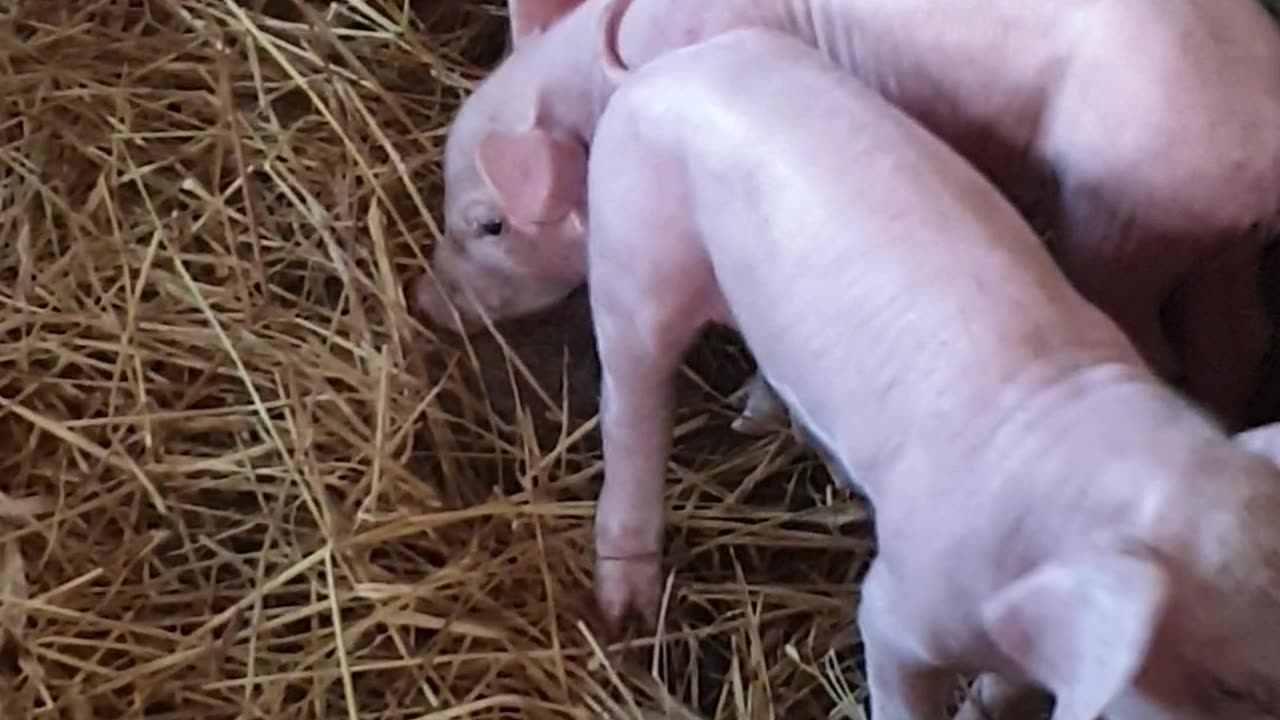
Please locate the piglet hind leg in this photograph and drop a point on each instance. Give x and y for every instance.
(1098, 251)
(902, 686)
(1226, 330)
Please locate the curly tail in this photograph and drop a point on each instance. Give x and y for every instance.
(614, 68)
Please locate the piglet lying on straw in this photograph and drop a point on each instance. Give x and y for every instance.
(1047, 509)
(1159, 119)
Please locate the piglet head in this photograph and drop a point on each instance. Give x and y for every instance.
(516, 243)
(515, 193)
(1189, 631)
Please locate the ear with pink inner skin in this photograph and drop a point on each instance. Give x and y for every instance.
(537, 177)
(1081, 628)
(533, 17)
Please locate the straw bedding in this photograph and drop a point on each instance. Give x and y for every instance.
(240, 481)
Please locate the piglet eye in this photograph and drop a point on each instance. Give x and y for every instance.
(491, 227)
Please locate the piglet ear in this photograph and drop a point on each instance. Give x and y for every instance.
(532, 17)
(1080, 628)
(1263, 440)
(536, 176)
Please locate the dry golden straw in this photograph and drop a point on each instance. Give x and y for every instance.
(240, 481)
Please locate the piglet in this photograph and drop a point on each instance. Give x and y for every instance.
(1158, 119)
(1046, 508)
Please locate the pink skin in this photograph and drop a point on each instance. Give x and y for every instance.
(1042, 506)
(1162, 166)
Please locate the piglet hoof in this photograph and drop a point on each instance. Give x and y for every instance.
(762, 412)
(991, 697)
(746, 424)
(628, 586)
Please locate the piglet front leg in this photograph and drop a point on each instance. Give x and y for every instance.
(636, 407)
(902, 685)
(642, 331)
(992, 697)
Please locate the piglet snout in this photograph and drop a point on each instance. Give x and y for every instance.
(433, 300)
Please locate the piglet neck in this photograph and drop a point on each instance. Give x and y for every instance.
(1115, 458)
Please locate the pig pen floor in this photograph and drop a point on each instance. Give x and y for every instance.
(237, 480)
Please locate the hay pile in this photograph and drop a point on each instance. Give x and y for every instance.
(240, 481)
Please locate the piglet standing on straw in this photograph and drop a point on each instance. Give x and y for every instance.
(1047, 509)
(1160, 120)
